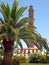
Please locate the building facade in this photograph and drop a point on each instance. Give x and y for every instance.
(26, 51)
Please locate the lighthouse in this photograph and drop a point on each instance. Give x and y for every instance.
(31, 14)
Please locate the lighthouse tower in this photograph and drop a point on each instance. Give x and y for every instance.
(31, 14)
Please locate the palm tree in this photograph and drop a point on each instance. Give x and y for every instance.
(13, 28)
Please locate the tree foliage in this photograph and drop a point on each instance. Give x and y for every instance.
(14, 27)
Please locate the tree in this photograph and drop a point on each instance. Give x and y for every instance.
(13, 28)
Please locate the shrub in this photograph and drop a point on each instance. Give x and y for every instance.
(14, 62)
(19, 59)
(38, 58)
(43, 59)
(47, 59)
(35, 58)
(1, 52)
(47, 56)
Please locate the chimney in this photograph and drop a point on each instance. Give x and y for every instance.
(31, 14)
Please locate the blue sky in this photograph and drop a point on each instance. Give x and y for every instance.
(41, 14)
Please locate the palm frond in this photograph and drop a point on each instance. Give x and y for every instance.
(45, 45)
(8, 10)
(1, 20)
(23, 21)
(3, 11)
(20, 44)
(20, 12)
(2, 28)
(14, 33)
(14, 9)
(26, 42)
(41, 41)
(3, 36)
(28, 28)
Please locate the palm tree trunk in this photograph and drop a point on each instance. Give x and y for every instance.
(8, 45)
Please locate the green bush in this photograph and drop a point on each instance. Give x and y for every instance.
(14, 62)
(35, 58)
(20, 59)
(43, 59)
(1, 52)
(47, 57)
(38, 58)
